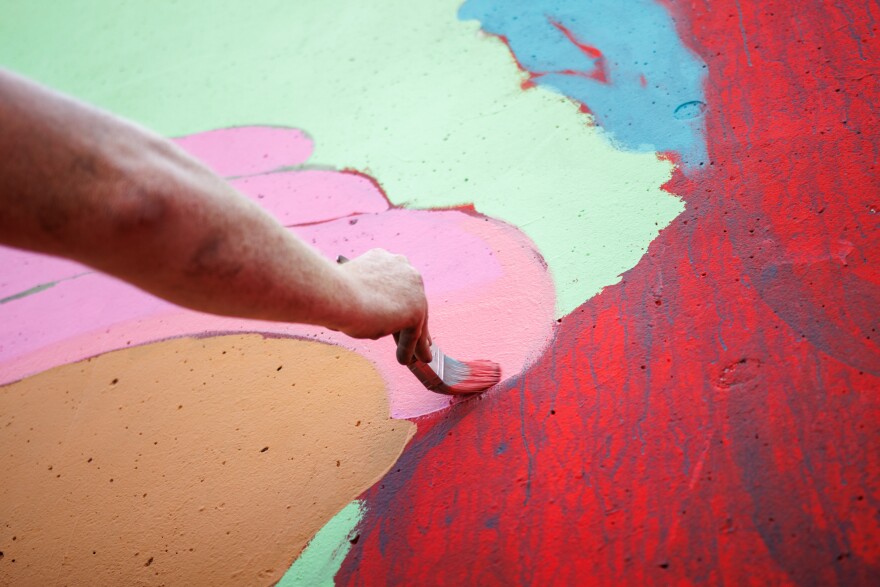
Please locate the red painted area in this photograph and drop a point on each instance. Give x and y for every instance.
(527, 83)
(715, 417)
(601, 71)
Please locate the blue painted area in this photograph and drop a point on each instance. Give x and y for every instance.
(652, 96)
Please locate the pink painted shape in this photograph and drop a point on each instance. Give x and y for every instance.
(312, 195)
(490, 296)
(246, 150)
(495, 301)
(449, 257)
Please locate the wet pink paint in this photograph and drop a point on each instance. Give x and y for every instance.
(312, 195)
(244, 150)
(490, 294)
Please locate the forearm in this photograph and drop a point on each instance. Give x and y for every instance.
(83, 184)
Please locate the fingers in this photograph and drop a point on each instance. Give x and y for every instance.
(408, 351)
(423, 347)
(406, 346)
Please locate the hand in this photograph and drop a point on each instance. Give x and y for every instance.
(391, 300)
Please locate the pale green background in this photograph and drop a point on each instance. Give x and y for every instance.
(318, 564)
(399, 89)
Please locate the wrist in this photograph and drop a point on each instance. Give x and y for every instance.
(349, 305)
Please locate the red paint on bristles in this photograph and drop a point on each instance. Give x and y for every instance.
(448, 376)
(471, 376)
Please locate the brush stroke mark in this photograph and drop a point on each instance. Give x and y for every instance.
(38, 288)
(20, 272)
(28, 292)
(530, 453)
(624, 61)
(742, 31)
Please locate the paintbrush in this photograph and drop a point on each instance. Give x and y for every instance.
(446, 375)
(449, 376)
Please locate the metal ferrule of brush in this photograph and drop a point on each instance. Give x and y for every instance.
(430, 374)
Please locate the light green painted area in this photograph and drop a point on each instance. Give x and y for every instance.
(319, 562)
(399, 89)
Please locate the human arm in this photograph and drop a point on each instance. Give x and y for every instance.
(84, 184)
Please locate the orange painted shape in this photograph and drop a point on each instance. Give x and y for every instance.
(186, 462)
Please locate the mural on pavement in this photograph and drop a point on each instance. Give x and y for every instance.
(659, 217)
